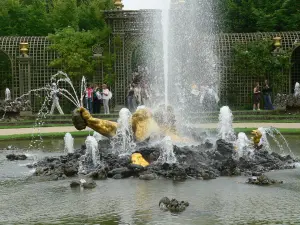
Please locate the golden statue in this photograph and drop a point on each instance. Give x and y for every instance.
(137, 159)
(257, 139)
(142, 122)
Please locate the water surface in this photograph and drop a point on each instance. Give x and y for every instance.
(132, 201)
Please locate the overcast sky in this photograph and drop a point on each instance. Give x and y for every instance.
(144, 4)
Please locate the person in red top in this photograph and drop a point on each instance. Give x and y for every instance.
(89, 98)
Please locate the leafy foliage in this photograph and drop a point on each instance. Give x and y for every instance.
(260, 15)
(258, 60)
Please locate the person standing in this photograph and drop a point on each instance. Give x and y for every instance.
(130, 98)
(97, 99)
(55, 100)
(89, 98)
(106, 96)
(267, 96)
(256, 97)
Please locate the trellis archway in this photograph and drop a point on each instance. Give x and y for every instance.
(295, 71)
(5, 73)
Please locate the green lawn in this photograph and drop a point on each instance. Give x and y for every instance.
(44, 135)
(85, 133)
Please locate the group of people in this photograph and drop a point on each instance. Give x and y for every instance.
(266, 91)
(206, 95)
(96, 96)
(138, 93)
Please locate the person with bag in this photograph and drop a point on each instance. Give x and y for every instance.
(106, 96)
(97, 99)
(55, 99)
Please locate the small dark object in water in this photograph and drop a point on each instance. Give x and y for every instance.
(263, 180)
(75, 184)
(89, 184)
(13, 157)
(172, 205)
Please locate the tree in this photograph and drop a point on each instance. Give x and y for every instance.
(258, 60)
(74, 49)
(260, 15)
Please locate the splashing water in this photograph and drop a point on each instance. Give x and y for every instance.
(243, 145)
(69, 143)
(123, 142)
(191, 59)
(225, 128)
(98, 136)
(7, 94)
(167, 154)
(92, 150)
(277, 137)
(44, 110)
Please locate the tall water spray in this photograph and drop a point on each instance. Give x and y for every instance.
(225, 129)
(165, 26)
(92, 150)
(190, 60)
(69, 143)
(123, 142)
(243, 145)
(167, 154)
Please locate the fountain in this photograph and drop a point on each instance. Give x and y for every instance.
(123, 142)
(289, 102)
(98, 136)
(225, 128)
(281, 142)
(167, 154)
(69, 143)
(189, 38)
(243, 145)
(7, 94)
(92, 150)
(189, 57)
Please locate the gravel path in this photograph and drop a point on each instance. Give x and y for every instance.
(208, 125)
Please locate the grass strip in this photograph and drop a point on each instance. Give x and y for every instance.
(284, 131)
(44, 135)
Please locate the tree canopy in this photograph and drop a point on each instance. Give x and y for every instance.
(260, 15)
(41, 17)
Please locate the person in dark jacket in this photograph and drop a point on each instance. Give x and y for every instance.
(267, 96)
(97, 99)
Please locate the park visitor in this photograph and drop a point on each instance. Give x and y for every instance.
(256, 97)
(89, 98)
(55, 99)
(97, 99)
(106, 96)
(267, 96)
(130, 98)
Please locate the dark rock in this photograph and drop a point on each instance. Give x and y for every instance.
(99, 174)
(75, 184)
(123, 171)
(13, 157)
(70, 171)
(117, 176)
(149, 176)
(172, 205)
(89, 184)
(136, 168)
(262, 180)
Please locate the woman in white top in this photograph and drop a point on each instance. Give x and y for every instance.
(106, 96)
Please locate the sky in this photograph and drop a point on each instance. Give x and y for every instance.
(144, 4)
